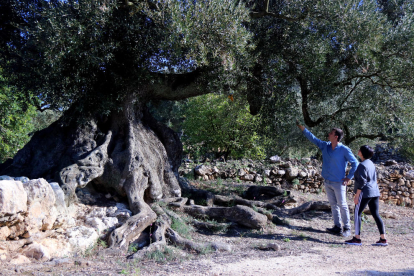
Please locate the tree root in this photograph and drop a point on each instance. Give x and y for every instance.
(264, 192)
(273, 204)
(242, 215)
(308, 206)
(213, 226)
(176, 239)
(121, 237)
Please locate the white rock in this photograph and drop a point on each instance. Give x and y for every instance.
(4, 233)
(280, 172)
(20, 259)
(60, 198)
(22, 179)
(81, 238)
(110, 222)
(275, 159)
(36, 251)
(409, 175)
(241, 172)
(41, 209)
(202, 170)
(96, 223)
(99, 212)
(292, 173)
(13, 197)
(303, 174)
(57, 248)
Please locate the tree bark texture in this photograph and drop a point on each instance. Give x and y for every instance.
(127, 152)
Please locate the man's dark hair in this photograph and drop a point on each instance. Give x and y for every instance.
(367, 151)
(339, 133)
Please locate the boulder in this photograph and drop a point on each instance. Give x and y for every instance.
(409, 175)
(13, 197)
(59, 197)
(41, 210)
(81, 238)
(202, 170)
(275, 159)
(247, 177)
(292, 173)
(57, 247)
(4, 233)
(241, 172)
(36, 251)
(20, 259)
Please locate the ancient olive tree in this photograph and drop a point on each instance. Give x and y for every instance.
(102, 62)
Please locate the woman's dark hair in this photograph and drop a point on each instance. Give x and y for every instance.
(367, 151)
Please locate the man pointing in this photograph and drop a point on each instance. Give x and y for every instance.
(335, 157)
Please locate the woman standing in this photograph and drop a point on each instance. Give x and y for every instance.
(366, 193)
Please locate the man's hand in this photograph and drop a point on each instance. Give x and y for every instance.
(302, 128)
(345, 181)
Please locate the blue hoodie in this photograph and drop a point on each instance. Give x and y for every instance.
(334, 161)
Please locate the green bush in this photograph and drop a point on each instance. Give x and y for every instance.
(215, 124)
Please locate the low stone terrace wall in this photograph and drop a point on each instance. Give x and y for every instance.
(395, 179)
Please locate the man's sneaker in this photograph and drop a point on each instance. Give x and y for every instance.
(381, 242)
(335, 230)
(354, 241)
(346, 232)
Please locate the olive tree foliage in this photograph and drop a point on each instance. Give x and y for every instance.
(95, 53)
(335, 64)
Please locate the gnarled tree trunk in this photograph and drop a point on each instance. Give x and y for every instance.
(128, 152)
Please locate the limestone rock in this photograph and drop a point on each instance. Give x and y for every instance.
(202, 170)
(258, 178)
(13, 197)
(59, 197)
(20, 259)
(81, 238)
(275, 159)
(99, 212)
(41, 209)
(36, 251)
(247, 177)
(292, 173)
(4, 233)
(22, 179)
(409, 175)
(57, 247)
(241, 172)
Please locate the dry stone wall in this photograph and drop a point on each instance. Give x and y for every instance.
(395, 179)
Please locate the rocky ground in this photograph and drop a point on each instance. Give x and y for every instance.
(300, 246)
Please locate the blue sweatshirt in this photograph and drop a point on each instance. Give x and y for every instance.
(334, 161)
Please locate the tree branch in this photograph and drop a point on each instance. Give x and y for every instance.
(179, 86)
(266, 12)
(349, 139)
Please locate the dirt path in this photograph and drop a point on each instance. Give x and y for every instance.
(364, 260)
